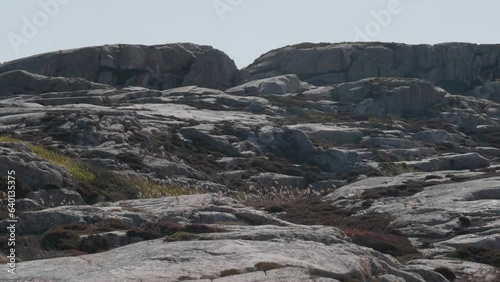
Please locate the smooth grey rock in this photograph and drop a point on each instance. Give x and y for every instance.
(275, 85)
(217, 143)
(490, 91)
(437, 136)
(388, 142)
(330, 133)
(453, 66)
(337, 160)
(464, 270)
(158, 260)
(451, 162)
(157, 67)
(212, 69)
(411, 154)
(390, 96)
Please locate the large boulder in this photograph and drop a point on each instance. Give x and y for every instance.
(159, 67)
(212, 69)
(453, 66)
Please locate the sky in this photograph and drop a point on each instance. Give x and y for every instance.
(244, 29)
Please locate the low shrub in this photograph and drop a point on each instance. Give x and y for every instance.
(111, 224)
(266, 266)
(383, 242)
(142, 233)
(60, 239)
(50, 186)
(94, 244)
(370, 230)
(229, 272)
(275, 209)
(202, 229)
(155, 230)
(478, 254)
(446, 272)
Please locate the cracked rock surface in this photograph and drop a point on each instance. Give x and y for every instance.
(317, 162)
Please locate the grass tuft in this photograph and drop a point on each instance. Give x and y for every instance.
(75, 167)
(179, 236)
(150, 189)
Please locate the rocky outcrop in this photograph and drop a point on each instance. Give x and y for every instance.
(221, 260)
(275, 85)
(453, 66)
(390, 96)
(22, 82)
(236, 253)
(157, 67)
(490, 91)
(451, 162)
(409, 169)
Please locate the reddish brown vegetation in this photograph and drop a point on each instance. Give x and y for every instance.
(370, 230)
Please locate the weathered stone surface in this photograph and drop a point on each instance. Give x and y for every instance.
(464, 271)
(454, 66)
(452, 162)
(437, 136)
(328, 133)
(390, 96)
(275, 85)
(23, 82)
(279, 147)
(186, 209)
(490, 91)
(310, 251)
(36, 172)
(158, 67)
(336, 160)
(387, 142)
(212, 69)
(410, 154)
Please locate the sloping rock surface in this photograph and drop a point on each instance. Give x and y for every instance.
(349, 162)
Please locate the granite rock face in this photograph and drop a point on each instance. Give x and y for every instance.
(158, 67)
(22, 82)
(453, 66)
(319, 162)
(240, 253)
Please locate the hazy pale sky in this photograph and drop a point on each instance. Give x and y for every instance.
(244, 29)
